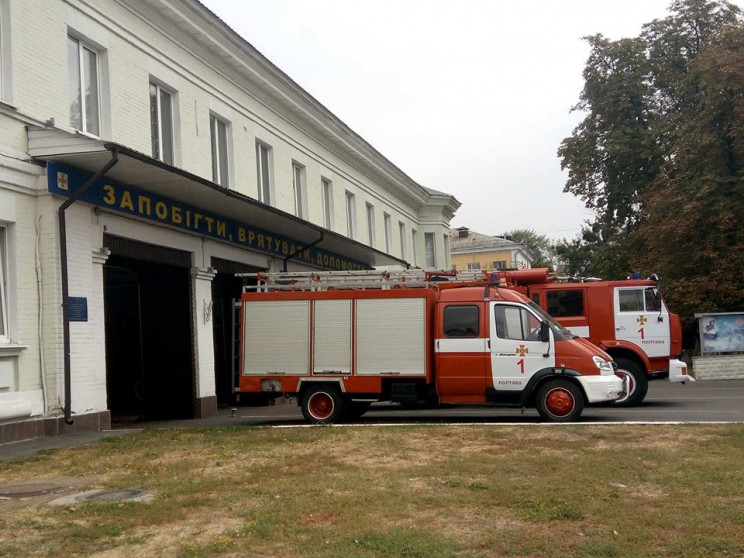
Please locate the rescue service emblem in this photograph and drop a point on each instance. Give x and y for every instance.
(522, 351)
(641, 320)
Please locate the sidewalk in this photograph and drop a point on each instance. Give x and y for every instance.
(27, 448)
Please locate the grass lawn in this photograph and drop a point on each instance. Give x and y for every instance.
(428, 491)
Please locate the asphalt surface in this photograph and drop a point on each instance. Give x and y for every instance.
(693, 402)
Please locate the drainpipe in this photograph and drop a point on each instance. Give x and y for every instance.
(65, 281)
(296, 252)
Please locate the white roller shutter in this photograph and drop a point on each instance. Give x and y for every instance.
(276, 337)
(391, 336)
(332, 337)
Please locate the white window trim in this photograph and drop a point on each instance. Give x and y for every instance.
(298, 185)
(433, 238)
(4, 313)
(402, 230)
(351, 214)
(82, 45)
(414, 241)
(159, 110)
(225, 181)
(6, 78)
(388, 222)
(326, 192)
(371, 224)
(266, 190)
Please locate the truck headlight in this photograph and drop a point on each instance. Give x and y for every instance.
(605, 368)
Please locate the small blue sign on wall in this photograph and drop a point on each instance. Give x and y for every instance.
(78, 308)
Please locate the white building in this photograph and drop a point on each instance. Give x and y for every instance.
(173, 155)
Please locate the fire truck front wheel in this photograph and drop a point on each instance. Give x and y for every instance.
(560, 400)
(322, 404)
(637, 382)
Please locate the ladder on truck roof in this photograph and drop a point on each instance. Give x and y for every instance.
(364, 279)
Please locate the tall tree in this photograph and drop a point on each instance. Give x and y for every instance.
(658, 155)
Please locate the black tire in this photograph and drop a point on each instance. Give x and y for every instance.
(355, 409)
(637, 382)
(560, 400)
(322, 405)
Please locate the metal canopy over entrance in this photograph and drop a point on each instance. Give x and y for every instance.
(177, 186)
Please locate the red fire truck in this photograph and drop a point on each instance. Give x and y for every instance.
(627, 319)
(339, 341)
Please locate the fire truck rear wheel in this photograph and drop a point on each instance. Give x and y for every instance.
(322, 405)
(560, 401)
(637, 382)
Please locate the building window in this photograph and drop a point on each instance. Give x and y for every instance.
(371, 224)
(4, 336)
(263, 162)
(161, 123)
(388, 232)
(498, 264)
(414, 241)
(475, 265)
(350, 215)
(5, 77)
(402, 230)
(83, 86)
(431, 255)
(327, 188)
(220, 168)
(298, 183)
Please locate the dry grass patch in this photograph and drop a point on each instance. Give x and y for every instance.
(441, 491)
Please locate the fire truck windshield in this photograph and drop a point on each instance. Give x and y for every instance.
(560, 332)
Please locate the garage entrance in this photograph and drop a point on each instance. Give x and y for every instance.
(226, 291)
(149, 362)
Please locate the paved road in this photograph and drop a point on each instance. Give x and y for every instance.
(708, 401)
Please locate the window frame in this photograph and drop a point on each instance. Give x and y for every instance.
(414, 241)
(83, 46)
(402, 231)
(6, 78)
(298, 186)
(214, 121)
(350, 214)
(525, 328)
(371, 223)
(160, 154)
(430, 241)
(388, 222)
(4, 313)
(326, 187)
(265, 174)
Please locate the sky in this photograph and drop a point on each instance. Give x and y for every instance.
(471, 98)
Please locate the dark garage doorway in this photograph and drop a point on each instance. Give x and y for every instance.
(149, 363)
(226, 291)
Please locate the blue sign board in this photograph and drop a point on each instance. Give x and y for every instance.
(128, 200)
(77, 308)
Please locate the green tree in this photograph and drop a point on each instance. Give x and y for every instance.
(658, 156)
(539, 246)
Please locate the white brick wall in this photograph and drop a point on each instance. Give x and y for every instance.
(721, 367)
(136, 43)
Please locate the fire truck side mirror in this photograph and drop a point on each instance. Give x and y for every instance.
(544, 332)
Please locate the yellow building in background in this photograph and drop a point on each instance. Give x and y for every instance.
(472, 250)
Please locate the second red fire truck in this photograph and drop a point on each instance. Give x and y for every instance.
(627, 319)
